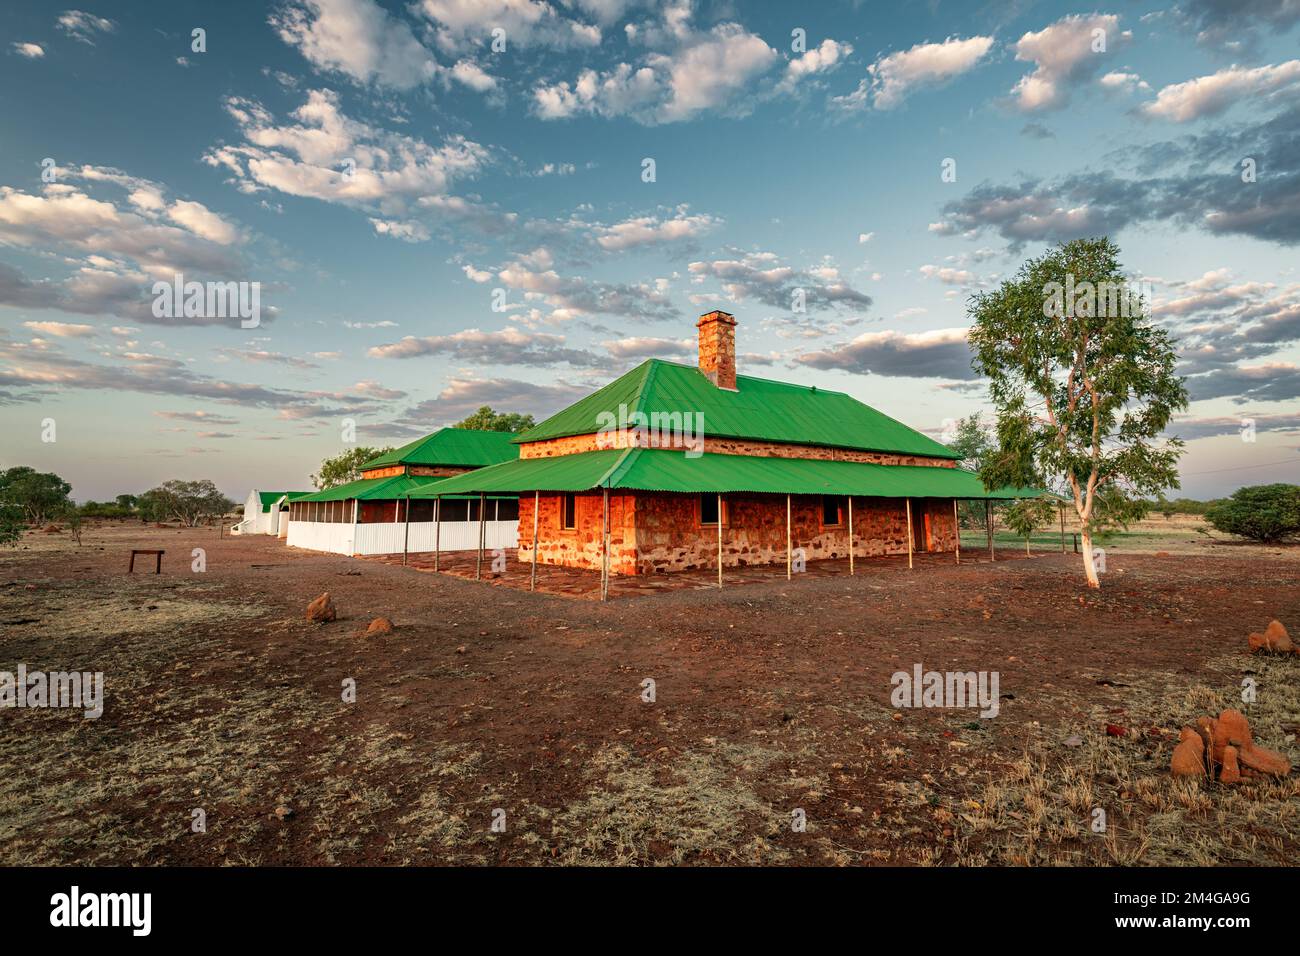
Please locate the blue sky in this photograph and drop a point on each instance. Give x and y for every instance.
(382, 171)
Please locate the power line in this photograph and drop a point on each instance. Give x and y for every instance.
(1267, 464)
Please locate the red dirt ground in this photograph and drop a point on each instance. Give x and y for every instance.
(770, 696)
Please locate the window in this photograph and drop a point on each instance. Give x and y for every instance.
(508, 509)
(830, 510)
(708, 509)
(569, 518)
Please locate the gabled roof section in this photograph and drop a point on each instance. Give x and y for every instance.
(760, 409)
(457, 447)
(268, 498)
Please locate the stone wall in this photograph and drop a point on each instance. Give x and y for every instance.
(581, 546)
(652, 533)
(437, 471)
(724, 446)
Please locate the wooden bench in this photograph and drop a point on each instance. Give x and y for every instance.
(134, 552)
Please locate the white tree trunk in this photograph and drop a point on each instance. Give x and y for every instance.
(1089, 566)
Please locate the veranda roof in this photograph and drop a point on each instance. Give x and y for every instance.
(380, 489)
(668, 470)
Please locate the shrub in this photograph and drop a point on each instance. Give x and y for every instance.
(1266, 513)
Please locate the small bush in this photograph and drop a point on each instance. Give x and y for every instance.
(1265, 513)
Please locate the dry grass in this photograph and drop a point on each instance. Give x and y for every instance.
(1040, 811)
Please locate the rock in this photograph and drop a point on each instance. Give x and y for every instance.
(1274, 640)
(1263, 760)
(380, 625)
(1230, 773)
(461, 649)
(1189, 755)
(1115, 730)
(1074, 740)
(1233, 729)
(322, 609)
(283, 812)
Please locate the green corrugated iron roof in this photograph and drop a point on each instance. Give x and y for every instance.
(464, 447)
(759, 409)
(371, 489)
(269, 498)
(579, 472)
(382, 489)
(647, 469)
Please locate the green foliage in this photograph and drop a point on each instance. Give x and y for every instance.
(37, 496)
(486, 420)
(1182, 506)
(11, 524)
(973, 443)
(1024, 516)
(1265, 513)
(107, 509)
(346, 467)
(189, 502)
(1084, 386)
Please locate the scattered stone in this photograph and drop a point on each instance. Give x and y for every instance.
(1274, 640)
(380, 625)
(283, 812)
(1189, 755)
(1234, 729)
(461, 649)
(1231, 750)
(1263, 760)
(1115, 730)
(1230, 773)
(322, 609)
(1074, 740)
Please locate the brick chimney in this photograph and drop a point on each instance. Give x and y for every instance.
(718, 348)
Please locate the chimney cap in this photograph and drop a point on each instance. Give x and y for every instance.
(717, 315)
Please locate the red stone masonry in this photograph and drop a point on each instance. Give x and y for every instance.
(718, 348)
(574, 444)
(654, 532)
(435, 471)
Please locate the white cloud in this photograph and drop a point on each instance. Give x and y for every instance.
(117, 248)
(705, 73)
(822, 59)
(83, 26)
(1213, 94)
(329, 156)
(62, 330)
(948, 275)
(1064, 53)
(33, 51)
(358, 38)
(460, 23)
(202, 221)
(407, 230)
(890, 79)
(642, 347)
(1118, 81)
(653, 230)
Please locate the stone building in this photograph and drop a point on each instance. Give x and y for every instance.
(672, 467)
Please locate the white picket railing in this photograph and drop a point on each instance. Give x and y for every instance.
(388, 537)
